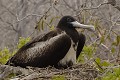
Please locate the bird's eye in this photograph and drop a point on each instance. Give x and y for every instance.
(69, 20)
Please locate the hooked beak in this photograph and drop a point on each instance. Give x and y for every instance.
(79, 25)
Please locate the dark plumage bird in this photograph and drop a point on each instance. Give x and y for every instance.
(59, 47)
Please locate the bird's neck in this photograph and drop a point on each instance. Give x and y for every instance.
(74, 35)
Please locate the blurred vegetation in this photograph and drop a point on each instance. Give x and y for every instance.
(87, 53)
(113, 74)
(22, 41)
(109, 71)
(58, 77)
(5, 54)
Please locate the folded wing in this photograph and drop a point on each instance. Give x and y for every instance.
(42, 51)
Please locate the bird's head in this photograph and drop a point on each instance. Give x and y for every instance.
(70, 22)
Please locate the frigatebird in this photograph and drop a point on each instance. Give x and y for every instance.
(59, 48)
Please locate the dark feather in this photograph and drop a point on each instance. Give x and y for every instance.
(44, 51)
(81, 43)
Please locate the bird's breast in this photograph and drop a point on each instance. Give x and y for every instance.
(70, 58)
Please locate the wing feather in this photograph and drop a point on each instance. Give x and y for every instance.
(44, 52)
(81, 43)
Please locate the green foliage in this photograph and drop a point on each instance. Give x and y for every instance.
(113, 50)
(5, 54)
(11, 75)
(53, 19)
(117, 41)
(52, 27)
(40, 24)
(102, 39)
(58, 77)
(112, 75)
(22, 41)
(108, 73)
(86, 53)
(101, 63)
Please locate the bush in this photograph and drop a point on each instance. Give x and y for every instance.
(5, 54)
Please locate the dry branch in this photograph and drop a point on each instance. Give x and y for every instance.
(79, 71)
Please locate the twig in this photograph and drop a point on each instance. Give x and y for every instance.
(11, 25)
(69, 5)
(111, 67)
(93, 7)
(117, 7)
(96, 6)
(98, 65)
(113, 24)
(113, 3)
(18, 20)
(8, 10)
(106, 47)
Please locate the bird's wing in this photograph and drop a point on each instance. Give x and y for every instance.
(44, 52)
(81, 43)
(40, 38)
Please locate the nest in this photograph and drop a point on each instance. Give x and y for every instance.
(79, 71)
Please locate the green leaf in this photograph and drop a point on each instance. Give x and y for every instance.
(11, 75)
(4, 55)
(58, 77)
(102, 39)
(81, 58)
(38, 25)
(113, 50)
(114, 43)
(52, 19)
(98, 60)
(42, 24)
(87, 52)
(105, 63)
(117, 72)
(118, 40)
(96, 23)
(22, 41)
(52, 27)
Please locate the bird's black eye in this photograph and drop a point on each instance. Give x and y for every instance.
(69, 20)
